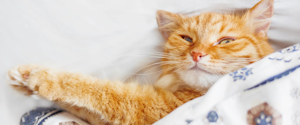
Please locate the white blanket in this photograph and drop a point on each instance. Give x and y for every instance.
(104, 38)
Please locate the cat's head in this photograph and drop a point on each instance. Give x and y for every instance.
(200, 49)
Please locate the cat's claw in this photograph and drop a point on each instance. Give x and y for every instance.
(18, 78)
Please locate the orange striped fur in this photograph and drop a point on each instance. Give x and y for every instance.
(198, 51)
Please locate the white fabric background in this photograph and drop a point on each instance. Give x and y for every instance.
(103, 38)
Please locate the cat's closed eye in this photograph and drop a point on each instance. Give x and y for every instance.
(224, 41)
(187, 38)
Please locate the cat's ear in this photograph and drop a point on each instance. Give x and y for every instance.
(260, 16)
(167, 22)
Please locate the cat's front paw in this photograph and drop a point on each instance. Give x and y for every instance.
(19, 78)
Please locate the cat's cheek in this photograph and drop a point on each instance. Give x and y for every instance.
(176, 47)
(190, 63)
(205, 60)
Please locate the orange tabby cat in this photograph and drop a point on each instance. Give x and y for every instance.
(199, 50)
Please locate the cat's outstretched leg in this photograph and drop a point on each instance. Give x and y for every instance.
(113, 102)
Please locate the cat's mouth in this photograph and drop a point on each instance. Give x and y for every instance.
(197, 68)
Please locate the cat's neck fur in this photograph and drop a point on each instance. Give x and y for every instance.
(173, 83)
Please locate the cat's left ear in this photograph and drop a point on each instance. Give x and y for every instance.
(167, 22)
(260, 16)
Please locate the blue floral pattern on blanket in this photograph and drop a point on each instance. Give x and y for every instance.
(295, 93)
(241, 74)
(295, 118)
(279, 76)
(280, 59)
(280, 56)
(263, 119)
(188, 121)
(212, 116)
(291, 49)
(263, 114)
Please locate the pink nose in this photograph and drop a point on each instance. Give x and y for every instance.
(197, 56)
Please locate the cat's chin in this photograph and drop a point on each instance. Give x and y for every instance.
(198, 77)
(199, 70)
